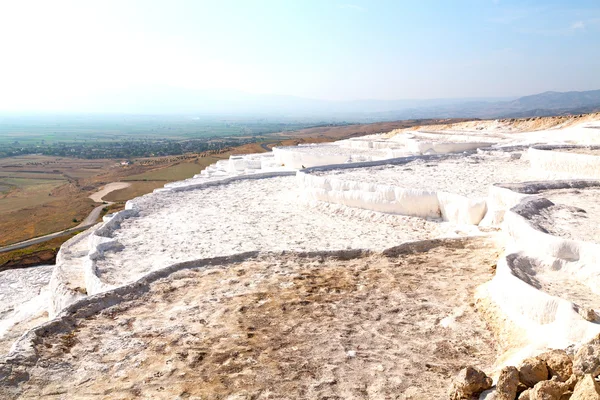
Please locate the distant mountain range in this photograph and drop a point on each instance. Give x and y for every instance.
(543, 104)
(229, 103)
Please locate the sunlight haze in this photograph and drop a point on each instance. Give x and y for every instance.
(82, 55)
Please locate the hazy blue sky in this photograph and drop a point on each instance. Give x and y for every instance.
(56, 53)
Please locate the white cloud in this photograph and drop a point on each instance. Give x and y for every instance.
(578, 25)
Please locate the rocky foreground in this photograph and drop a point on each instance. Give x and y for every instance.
(269, 326)
(553, 375)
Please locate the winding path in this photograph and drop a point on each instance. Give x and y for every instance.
(98, 198)
(89, 221)
(266, 147)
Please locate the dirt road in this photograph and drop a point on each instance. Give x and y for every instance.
(97, 197)
(111, 187)
(89, 221)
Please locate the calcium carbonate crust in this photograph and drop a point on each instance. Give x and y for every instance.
(23, 353)
(551, 159)
(98, 240)
(522, 289)
(508, 204)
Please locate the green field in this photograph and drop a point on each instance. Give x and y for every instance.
(28, 181)
(49, 129)
(172, 173)
(31, 175)
(95, 137)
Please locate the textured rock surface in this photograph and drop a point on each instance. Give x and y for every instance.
(532, 371)
(469, 382)
(484, 170)
(23, 299)
(559, 364)
(282, 326)
(525, 395)
(586, 389)
(508, 382)
(567, 220)
(587, 358)
(263, 215)
(548, 390)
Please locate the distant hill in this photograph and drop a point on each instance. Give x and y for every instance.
(546, 112)
(230, 103)
(558, 100)
(543, 104)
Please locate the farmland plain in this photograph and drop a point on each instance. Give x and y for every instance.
(49, 165)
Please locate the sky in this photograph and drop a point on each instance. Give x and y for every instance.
(58, 55)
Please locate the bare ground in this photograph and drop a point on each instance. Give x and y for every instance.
(343, 132)
(512, 125)
(396, 325)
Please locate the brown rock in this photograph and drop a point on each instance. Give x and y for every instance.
(559, 364)
(520, 389)
(532, 371)
(548, 390)
(586, 389)
(589, 314)
(469, 381)
(525, 395)
(571, 382)
(587, 358)
(508, 382)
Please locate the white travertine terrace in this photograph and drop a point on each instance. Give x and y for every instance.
(312, 155)
(546, 286)
(24, 298)
(368, 149)
(229, 219)
(401, 189)
(554, 160)
(372, 193)
(442, 173)
(422, 186)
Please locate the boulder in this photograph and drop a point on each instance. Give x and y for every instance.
(532, 371)
(559, 364)
(525, 395)
(469, 382)
(587, 359)
(589, 314)
(586, 389)
(548, 390)
(508, 382)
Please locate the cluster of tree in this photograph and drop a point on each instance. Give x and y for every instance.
(124, 149)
